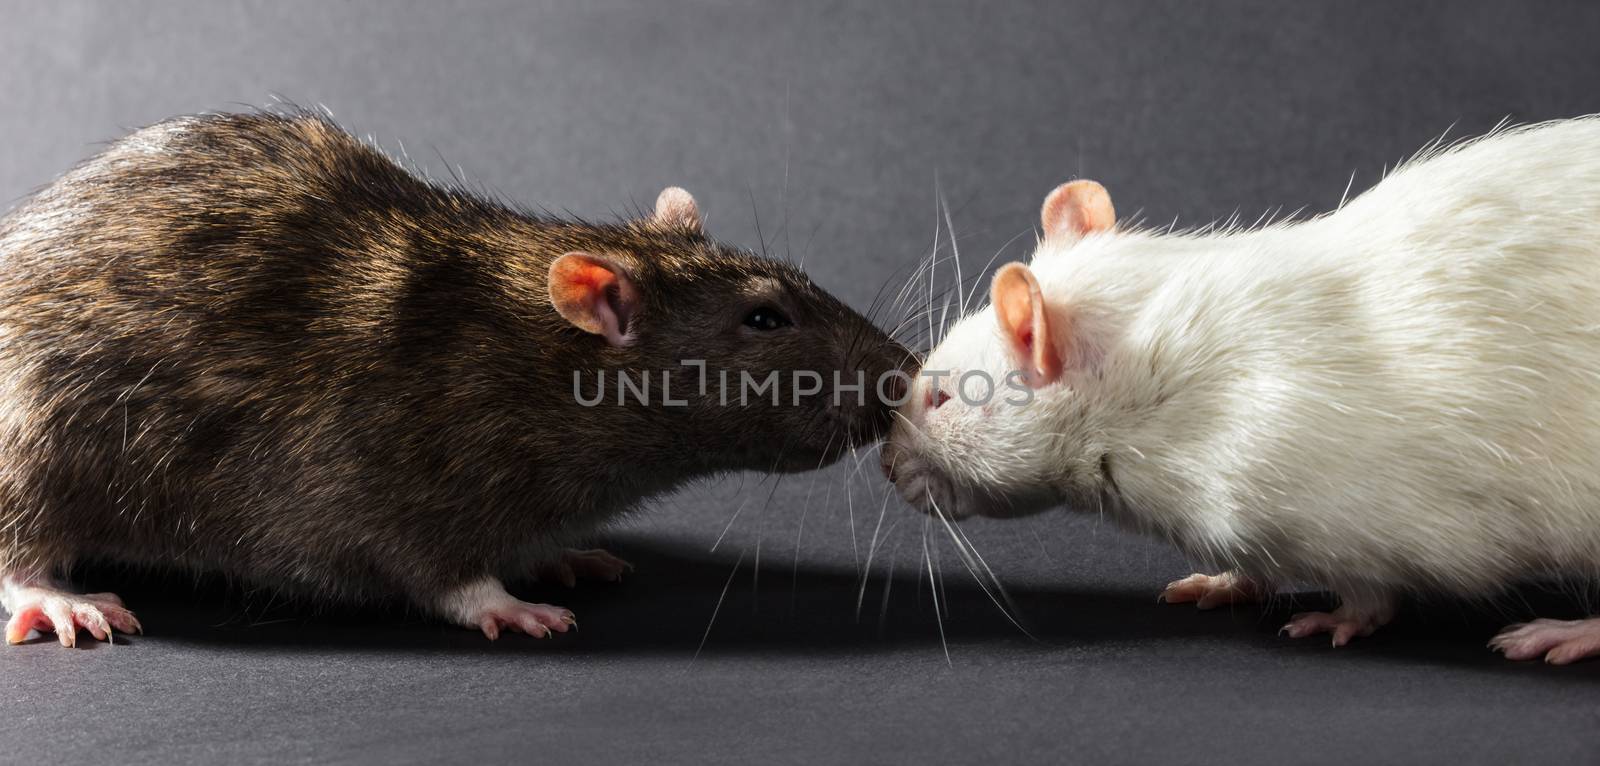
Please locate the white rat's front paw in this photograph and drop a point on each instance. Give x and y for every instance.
(1559, 641)
(1211, 591)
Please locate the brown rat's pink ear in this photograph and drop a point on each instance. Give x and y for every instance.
(1026, 324)
(1076, 209)
(676, 208)
(595, 295)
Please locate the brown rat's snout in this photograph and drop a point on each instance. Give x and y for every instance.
(887, 371)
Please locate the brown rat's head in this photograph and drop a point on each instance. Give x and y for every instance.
(743, 359)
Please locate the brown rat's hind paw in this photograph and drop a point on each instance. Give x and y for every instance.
(1559, 641)
(487, 606)
(1211, 591)
(593, 564)
(51, 609)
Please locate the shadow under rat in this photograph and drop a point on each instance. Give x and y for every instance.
(665, 609)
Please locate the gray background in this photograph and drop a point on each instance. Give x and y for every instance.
(838, 125)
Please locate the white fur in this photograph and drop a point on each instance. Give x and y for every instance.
(1401, 394)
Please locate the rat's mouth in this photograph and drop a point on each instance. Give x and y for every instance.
(924, 487)
(928, 488)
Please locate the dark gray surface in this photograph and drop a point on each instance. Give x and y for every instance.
(838, 123)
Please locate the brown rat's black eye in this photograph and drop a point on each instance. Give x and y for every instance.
(766, 318)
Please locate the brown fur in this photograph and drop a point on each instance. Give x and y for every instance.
(252, 343)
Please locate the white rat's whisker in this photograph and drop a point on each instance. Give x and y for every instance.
(872, 549)
(972, 292)
(968, 555)
(955, 250)
(938, 618)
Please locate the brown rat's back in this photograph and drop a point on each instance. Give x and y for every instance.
(254, 343)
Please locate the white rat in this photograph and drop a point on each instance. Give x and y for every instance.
(1400, 396)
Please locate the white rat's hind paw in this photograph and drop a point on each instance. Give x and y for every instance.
(1559, 641)
(1344, 623)
(51, 609)
(487, 606)
(1211, 591)
(595, 564)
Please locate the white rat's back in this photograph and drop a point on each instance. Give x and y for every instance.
(1403, 393)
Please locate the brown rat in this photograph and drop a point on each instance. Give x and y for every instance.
(254, 344)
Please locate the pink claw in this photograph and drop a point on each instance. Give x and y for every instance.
(37, 607)
(536, 620)
(485, 605)
(1344, 623)
(1560, 642)
(1211, 591)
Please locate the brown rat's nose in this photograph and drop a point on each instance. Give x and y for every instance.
(894, 389)
(889, 372)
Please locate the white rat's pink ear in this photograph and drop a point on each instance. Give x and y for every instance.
(676, 208)
(1076, 209)
(1026, 324)
(595, 295)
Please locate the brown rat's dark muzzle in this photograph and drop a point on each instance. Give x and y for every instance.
(888, 370)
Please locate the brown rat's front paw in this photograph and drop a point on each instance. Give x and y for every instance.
(47, 608)
(593, 564)
(487, 606)
(537, 620)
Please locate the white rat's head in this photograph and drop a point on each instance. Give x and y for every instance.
(996, 424)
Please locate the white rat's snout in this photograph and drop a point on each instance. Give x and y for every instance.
(921, 484)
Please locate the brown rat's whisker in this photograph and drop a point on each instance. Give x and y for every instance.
(783, 194)
(805, 508)
(888, 582)
(915, 279)
(761, 528)
(729, 525)
(718, 608)
(850, 509)
(756, 214)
